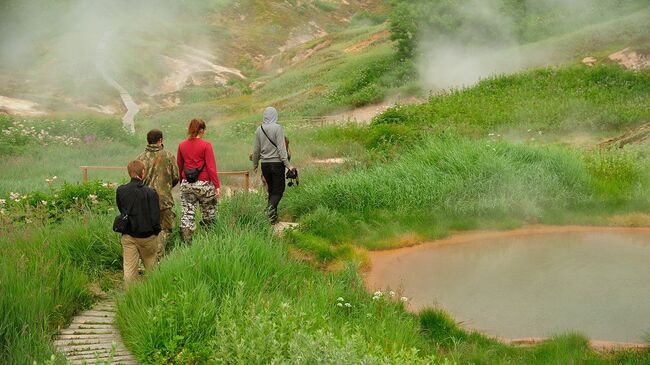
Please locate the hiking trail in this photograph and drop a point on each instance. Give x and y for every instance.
(92, 338)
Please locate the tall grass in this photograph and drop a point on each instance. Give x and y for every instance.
(237, 296)
(452, 182)
(44, 279)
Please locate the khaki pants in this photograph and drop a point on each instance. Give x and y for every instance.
(134, 249)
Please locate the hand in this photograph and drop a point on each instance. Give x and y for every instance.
(218, 193)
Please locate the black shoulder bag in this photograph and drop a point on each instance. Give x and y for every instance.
(192, 175)
(121, 222)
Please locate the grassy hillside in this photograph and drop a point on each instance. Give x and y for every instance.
(496, 155)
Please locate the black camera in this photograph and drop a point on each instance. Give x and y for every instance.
(292, 177)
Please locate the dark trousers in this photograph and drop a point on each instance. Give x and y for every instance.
(273, 173)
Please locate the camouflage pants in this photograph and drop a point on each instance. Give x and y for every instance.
(167, 224)
(200, 193)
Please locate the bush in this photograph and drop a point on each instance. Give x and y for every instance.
(17, 135)
(52, 206)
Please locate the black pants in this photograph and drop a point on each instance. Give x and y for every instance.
(274, 175)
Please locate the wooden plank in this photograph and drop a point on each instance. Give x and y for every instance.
(96, 313)
(71, 349)
(92, 336)
(111, 335)
(105, 355)
(98, 352)
(87, 331)
(93, 320)
(90, 326)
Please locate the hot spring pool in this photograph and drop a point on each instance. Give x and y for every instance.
(517, 285)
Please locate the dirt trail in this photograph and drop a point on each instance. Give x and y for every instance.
(365, 114)
(128, 120)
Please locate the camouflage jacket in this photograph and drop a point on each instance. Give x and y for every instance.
(161, 172)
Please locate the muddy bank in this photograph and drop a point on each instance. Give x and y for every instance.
(530, 283)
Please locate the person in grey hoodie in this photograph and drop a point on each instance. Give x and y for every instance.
(271, 150)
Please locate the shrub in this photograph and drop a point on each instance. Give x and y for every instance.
(68, 200)
(17, 135)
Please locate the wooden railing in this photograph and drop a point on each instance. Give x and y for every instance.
(245, 174)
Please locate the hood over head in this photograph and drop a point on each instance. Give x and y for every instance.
(270, 115)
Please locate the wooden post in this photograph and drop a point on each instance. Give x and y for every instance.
(84, 174)
(247, 181)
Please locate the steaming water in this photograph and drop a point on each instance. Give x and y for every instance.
(532, 286)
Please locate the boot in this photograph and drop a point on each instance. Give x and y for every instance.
(186, 235)
(163, 238)
(272, 213)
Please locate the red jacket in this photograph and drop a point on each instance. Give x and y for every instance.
(192, 153)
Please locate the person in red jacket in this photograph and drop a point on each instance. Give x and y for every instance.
(199, 180)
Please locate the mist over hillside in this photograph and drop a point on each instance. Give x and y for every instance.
(60, 50)
(461, 42)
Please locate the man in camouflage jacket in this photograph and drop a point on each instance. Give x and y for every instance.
(162, 175)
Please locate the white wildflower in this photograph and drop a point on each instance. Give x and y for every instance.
(339, 304)
(284, 305)
(44, 202)
(3, 202)
(404, 299)
(348, 305)
(392, 293)
(374, 297)
(340, 299)
(54, 177)
(378, 293)
(14, 196)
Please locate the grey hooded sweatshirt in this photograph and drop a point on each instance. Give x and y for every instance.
(263, 149)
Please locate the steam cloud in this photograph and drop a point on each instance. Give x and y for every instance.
(54, 46)
(488, 43)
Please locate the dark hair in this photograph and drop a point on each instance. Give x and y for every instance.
(154, 136)
(196, 125)
(135, 168)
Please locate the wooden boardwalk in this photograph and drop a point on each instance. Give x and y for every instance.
(92, 338)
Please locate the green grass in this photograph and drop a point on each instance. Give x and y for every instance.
(453, 182)
(558, 100)
(44, 279)
(238, 296)
(237, 290)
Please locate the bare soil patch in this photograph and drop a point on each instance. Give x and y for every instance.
(368, 42)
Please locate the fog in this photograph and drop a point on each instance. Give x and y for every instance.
(488, 39)
(55, 46)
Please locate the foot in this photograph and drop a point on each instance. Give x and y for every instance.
(186, 236)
